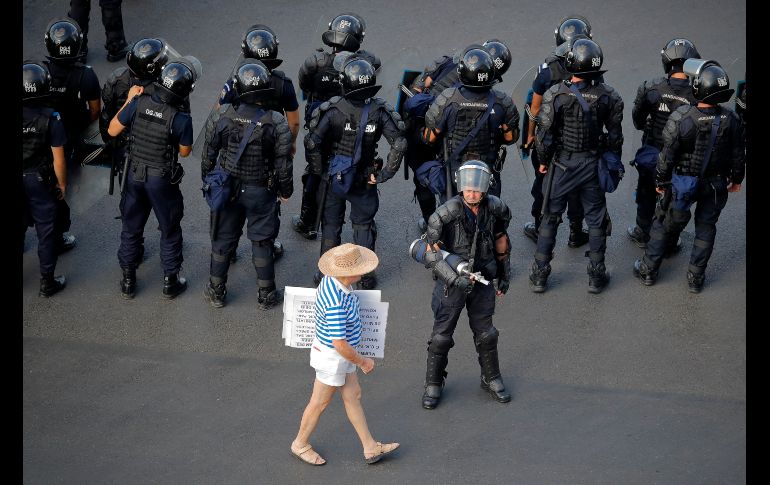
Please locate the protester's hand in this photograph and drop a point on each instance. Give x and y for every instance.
(733, 187)
(367, 365)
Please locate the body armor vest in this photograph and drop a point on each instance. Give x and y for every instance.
(36, 152)
(671, 97)
(580, 131)
(459, 233)
(325, 81)
(256, 163)
(449, 80)
(66, 97)
(149, 142)
(693, 149)
(482, 147)
(558, 73)
(346, 144)
(274, 102)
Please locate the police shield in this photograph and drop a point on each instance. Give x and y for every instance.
(522, 97)
(411, 63)
(736, 71)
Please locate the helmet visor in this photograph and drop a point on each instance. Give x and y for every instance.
(473, 177)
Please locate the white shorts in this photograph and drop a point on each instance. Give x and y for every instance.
(330, 367)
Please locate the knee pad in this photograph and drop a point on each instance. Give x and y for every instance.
(596, 232)
(262, 253)
(440, 344)
(487, 340)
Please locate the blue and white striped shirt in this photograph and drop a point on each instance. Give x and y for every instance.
(336, 313)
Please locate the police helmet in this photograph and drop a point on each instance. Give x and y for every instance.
(571, 26)
(346, 31)
(37, 80)
(251, 80)
(63, 39)
(473, 175)
(146, 58)
(563, 49)
(358, 78)
(711, 84)
(178, 77)
(476, 68)
(260, 42)
(676, 52)
(501, 56)
(585, 59)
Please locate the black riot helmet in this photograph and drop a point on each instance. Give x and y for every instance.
(36, 79)
(251, 80)
(63, 39)
(146, 58)
(710, 83)
(585, 59)
(563, 49)
(260, 42)
(676, 52)
(476, 68)
(346, 31)
(473, 175)
(358, 78)
(178, 77)
(501, 56)
(571, 26)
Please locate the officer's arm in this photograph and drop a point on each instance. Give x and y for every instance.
(667, 156)
(306, 72)
(510, 128)
(544, 136)
(534, 109)
(116, 127)
(60, 168)
(641, 110)
(283, 162)
(539, 87)
(393, 130)
(614, 124)
(435, 119)
(319, 126)
(738, 154)
(186, 137)
(434, 261)
(211, 145)
(94, 108)
(184, 150)
(292, 117)
(108, 106)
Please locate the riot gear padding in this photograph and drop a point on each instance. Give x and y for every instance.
(146, 58)
(476, 68)
(712, 85)
(251, 77)
(63, 39)
(501, 56)
(358, 76)
(585, 59)
(676, 52)
(570, 27)
(36, 80)
(346, 31)
(178, 77)
(473, 175)
(260, 42)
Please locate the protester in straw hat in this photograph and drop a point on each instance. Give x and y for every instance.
(333, 353)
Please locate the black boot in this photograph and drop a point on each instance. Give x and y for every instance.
(530, 230)
(277, 250)
(637, 236)
(268, 298)
(598, 277)
(577, 235)
(645, 274)
(68, 242)
(538, 277)
(117, 51)
(434, 379)
(128, 283)
(50, 285)
(695, 282)
(215, 292)
(368, 281)
(491, 380)
(173, 286)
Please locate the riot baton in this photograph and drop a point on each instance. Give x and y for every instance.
(548, 185)
(319, 215)
(663, 202)
(447, 169)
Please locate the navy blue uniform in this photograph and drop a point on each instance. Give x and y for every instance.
(112, 19)
(150, 188)
(287, 99)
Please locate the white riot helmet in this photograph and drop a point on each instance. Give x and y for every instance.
(474, 175)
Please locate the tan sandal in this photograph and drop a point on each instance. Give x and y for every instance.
(382, 450)
(300, 454)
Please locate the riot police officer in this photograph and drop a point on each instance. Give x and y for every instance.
(252, 143)
(472, 225)
(569, 142)
(473, 119)
(655, 101)
(44, 171)
(160, 133)
(702, 160)
(112, 19)
(261, 42)
(351, 126)
(434, 79)
(552, 72)
(319, 81)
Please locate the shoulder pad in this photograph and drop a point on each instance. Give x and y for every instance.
(498, 208)
(334, 100)
(657, 82)
(278, 121)
(552, 92)
(443, 97)
(117, 73)
(392, 113)
(503, 98)
(320, 57)
(680, 113)
(450, 210)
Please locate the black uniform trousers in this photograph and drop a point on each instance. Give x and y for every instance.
(646, 197)
(364, 202)
(710, 199)
(40, 208)
(165, 200)
(582, 179)
(447, 304)
(310, 181)
(112, 19)
(574, 208)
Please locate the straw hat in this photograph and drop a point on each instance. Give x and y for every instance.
(348, 260)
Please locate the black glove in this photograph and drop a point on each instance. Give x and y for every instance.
(464, 283)
(431, 258)
(503, 275)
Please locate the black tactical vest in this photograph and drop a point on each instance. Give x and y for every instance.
(693, 149)
(256, 161)
(448, 80)
(36, 151)
(274, 102)
(671, 97)
(325, 81)
(66, 97)
(482, 146)
(558, 73)
(580, 131)
(345, 145)
(149, 141)
(459, 234)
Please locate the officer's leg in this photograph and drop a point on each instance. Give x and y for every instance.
(262, 220)
(531, 228)
(427, 201)
(646, 269)
(363, 207)
(80, 11)
(594, 203)
(62, 224)
(575, 214)
(168, 205)
(546, 240)
(223, 243)
(646, 197)
(304, 223)
(134, 211)
(112, 19)
(447, 304)
(332, 218)
(42, 208)
(481, 307)
(711, 201)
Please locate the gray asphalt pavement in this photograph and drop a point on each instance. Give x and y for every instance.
(636, 385)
